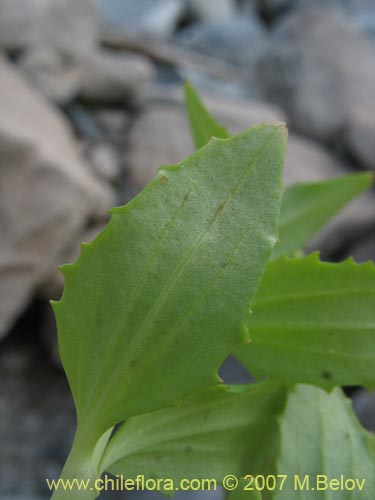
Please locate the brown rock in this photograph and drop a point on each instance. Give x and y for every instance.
(47, 193)
(72, 25)
(108, 76)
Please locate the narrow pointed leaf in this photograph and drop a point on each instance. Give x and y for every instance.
(314, 322)
(203, 124)
(229, 430)
(321, 437)
(306, 207)
(153, 306)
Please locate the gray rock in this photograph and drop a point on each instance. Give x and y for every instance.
(18, 23)
(363, 250)
(239, 41)
(360, 134)
(47, 192)
(364, 406)
(104, 161)
(160, 136)
(144, 17)
(272, 8)
(211, 10)
(36, 420)
(322, 72)
(66, 24)
(114, 123)
(238, 88)
(307, 161)
(360, 12)
(55, 74)
(111, 77)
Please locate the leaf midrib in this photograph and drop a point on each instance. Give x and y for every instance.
(185, 260)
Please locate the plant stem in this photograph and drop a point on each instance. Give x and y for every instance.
(77, 479)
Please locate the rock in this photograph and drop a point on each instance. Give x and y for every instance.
(18, 23)
(307, 161)
(239, 41)
(237, 115)
(82, 121)
(37, 419)
(361, 132)
(321, 71)
(114, 124)
(111, 77)
(64, 24)
(360, 12)
(227, 89)
(47, 193)
(211, 10)
(55, 74)
(160, 136)
(272, 8)
(364, 406)
(144, 17)
(364, 249)
(104, 161)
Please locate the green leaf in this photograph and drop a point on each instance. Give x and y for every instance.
(306, 207)
(320, 435)
(155, 304)
(202, 123)
(242, 492)
(227, 430)
(314, 322)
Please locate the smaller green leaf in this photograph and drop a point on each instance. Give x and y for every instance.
(306, 207)
(314, 322)
(243, 493)
(226, 430)
(202, 123)
(321, 439)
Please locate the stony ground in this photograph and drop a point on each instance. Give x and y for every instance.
(91, 106)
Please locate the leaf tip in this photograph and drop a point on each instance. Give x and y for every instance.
(66, 269)
(245, 334)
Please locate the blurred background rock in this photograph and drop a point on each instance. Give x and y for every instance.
(91, 105)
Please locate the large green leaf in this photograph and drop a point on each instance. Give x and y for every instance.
(227, 430)
(306, 207)
(322, 439)
(202, 123)
(154, 305)
(314, 322)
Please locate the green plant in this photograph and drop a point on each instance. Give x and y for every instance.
(155, 304)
